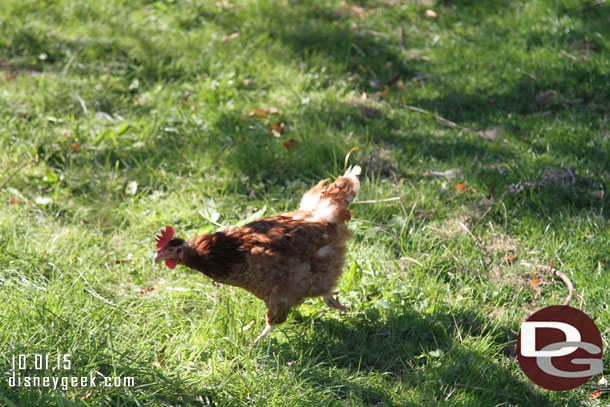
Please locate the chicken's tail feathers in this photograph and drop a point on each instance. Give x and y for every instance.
(353, 171)
(329, 203)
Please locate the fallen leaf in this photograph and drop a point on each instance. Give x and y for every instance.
(431, 13)
(290, 144)
(383, 94)
(473, 190)
(461, 187)
(400, 84)
(276, 129)
(363, 96)
(13, 200)
(75, 146)
(534, 283)
(260, 112)
(145, 290)
(595, 395)
(263, 112)
(86, 396)
(508, 258)
(231, 37)
(136, 100)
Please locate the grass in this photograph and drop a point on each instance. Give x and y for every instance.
(134, 117)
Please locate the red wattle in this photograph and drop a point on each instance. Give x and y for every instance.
(171, 263)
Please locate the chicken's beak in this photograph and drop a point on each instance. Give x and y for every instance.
(160, 257)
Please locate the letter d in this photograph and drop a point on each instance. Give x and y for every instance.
(528, 338)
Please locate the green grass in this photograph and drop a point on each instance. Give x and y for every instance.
(105, 96)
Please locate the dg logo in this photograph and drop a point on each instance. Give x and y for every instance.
(560, 348)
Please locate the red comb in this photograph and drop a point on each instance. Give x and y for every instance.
(164, 238)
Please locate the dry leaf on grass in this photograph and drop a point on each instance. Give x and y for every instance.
(508, 258)
(431, 13)
(534, 283)
(463, 188)
(145, 290)
(291, 144)
(384, 93)
(13, 200)
(230, 37)
(276, 129)
(263, 112)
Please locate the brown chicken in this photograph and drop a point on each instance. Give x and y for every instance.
(282, 259)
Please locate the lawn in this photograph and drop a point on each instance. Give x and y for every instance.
(489, 119)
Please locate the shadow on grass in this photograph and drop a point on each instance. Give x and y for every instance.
(424, 353)
(322, 34)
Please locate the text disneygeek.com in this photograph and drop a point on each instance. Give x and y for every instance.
(40, 370)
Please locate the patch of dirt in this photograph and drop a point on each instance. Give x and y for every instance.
(500, 243)
(452, 227)
(552, 177)
(381, 163)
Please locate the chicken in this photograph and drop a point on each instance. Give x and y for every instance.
(282, 259)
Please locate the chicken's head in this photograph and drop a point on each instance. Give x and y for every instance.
(169, 248)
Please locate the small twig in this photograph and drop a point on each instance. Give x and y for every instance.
(80, 100)
(457, 328)
(440, 119)
(211, 221)
(565, 279)
(395, 198)
(412, 260)
(567, 54)
(467, 231)
(530, 75)
(12, 174)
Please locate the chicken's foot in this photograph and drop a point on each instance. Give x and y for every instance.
(268, 329)
(333, 302)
